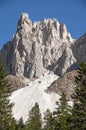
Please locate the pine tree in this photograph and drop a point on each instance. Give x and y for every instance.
(5, 105)
(20, 125)
(14, 125)
(79, 107)
(34, 122)
(62, 114)
(48, 121)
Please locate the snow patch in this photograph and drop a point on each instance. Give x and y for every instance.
(25, 98)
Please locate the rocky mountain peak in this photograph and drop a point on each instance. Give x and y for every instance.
(24, 24)
(64, 34)
(40, 47)
(51, 26)
(37, 51)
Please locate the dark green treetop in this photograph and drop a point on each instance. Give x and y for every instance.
(79, 107)
(5, 105)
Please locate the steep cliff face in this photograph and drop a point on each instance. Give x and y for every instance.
(79, 49)
(40, 47)
(37, 50)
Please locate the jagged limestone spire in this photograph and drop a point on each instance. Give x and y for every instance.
(38, 48)
(24, 23)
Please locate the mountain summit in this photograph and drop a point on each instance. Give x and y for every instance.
(38, 53)
(37, 48)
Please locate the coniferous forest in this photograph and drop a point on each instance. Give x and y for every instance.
(63, 118)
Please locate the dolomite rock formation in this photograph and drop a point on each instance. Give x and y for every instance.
(36, 52)
(40, 47)
(79, 49)
(65, 83)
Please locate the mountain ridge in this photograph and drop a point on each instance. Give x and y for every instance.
(49, 43)
(38, 54)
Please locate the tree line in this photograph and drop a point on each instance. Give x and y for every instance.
(63, 118)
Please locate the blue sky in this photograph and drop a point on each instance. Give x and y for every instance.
(70, 12)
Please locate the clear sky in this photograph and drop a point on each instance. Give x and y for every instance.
(70, 12)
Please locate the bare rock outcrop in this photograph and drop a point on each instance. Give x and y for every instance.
(36, 51)
(79, 49)
(38, 47)
(15, 82)
(65, 83)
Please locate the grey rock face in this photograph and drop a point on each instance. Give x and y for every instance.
(65, 83)
(15, 82)
(79, 49)
(39, 47)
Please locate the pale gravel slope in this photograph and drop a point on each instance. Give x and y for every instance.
(25, 98)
